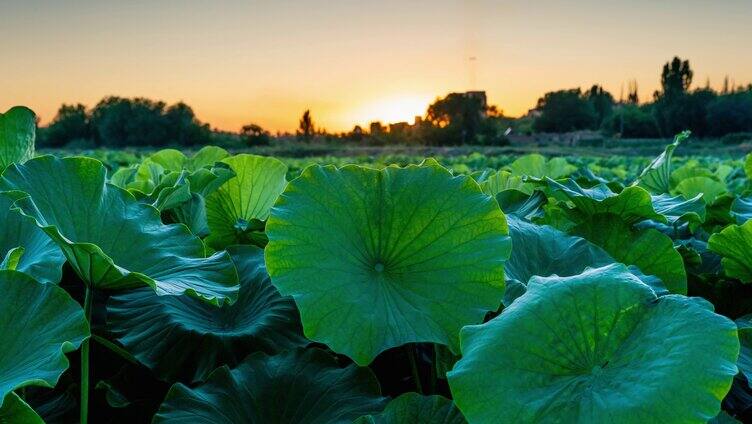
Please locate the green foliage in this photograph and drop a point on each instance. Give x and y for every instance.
(40, 323)
(734, 244)
(14, 410)
(182, 338)
(535, 165)
(100, 239)
(34, 253)
(656, 177)
(371, 256)
(378, 277)
(651, 251)
(294, 387)
(575, 349)
(236, 212)
(17, 135)
(412, 408)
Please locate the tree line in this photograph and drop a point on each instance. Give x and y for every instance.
(674, 108)
(120, 122)
(458, 118)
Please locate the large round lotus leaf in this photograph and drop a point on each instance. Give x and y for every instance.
(412, 408)
(302, 386)
(40, 257)
(598, 347)
(379, 258)
(183, 338)
(632, 204)
(647, 249)
(17, 134)
(111, 240)
(244, 200)
(39, 323)
(734, 244)
(709, 188)
(15, 411)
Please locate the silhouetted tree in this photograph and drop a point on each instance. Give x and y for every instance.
(120, 122)
(675, 108)
(306, 129)
(632, 96)
(564, 111)
(183, 128)
(356, 134)
(676, 78)
(71, 123)
(460, 117)
(254, 135)
(731, 113)
(603, 103)
(632, 121)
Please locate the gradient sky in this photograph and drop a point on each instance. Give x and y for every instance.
(354, 61)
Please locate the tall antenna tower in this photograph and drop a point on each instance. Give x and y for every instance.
(472, 72)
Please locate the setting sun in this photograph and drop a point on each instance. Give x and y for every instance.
(393, 109)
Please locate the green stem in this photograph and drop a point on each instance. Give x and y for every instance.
(115, 349)
(411, 354)
(85, 361)
(434, 364)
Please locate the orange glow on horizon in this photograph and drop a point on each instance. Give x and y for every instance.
(389, 110)
(352, 63)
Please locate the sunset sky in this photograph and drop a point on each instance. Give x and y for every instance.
(352, 62)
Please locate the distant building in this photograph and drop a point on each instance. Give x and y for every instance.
(399, 128)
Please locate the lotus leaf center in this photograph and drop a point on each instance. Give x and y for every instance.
(379, 267)
(597, 370)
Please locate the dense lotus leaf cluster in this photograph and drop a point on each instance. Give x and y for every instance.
(220, 288)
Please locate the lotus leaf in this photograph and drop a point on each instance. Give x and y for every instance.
(294, 387)
(238, 208)
(594, 348)
(111, 240)
(372, 257)
(647, 249)
(17, 135)
(734, 244)
(412, 408)
(39, 324)
(656, 177)
(183, 338)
